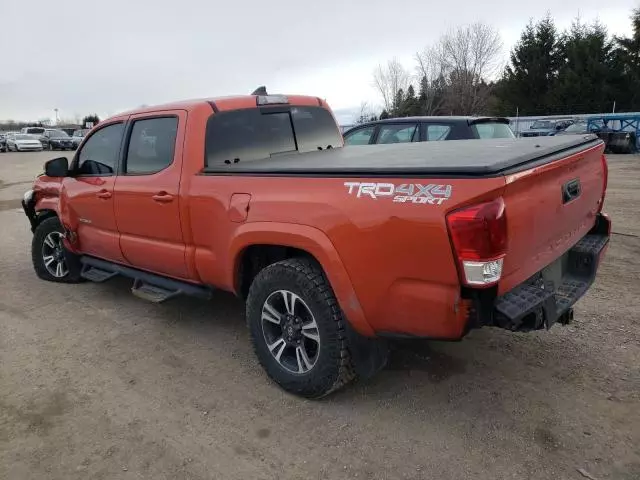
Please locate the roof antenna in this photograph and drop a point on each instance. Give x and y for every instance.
(260, 91)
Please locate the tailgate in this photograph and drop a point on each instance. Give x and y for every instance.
(549, 209)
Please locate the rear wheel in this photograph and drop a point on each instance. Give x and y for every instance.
(298, 330)
(51, 261)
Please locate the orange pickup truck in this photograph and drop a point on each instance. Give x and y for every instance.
(335, 250)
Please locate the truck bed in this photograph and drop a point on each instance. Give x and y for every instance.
(465, 158)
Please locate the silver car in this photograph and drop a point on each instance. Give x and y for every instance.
(22, 142)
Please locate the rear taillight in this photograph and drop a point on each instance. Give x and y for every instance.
(605, 179)
(479, 236)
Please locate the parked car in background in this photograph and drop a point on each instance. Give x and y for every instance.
(581, 127)
(53, 139)
(78, 136)
(427, 129)
(543, 128)
(3, 141)
(22, 142)
(33, 130)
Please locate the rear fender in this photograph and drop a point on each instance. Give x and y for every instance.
(308, 239)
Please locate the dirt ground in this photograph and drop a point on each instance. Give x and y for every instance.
(98, 384)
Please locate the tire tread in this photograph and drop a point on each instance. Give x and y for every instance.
(342, 361)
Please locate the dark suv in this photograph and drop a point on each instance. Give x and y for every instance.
(427, 129)
(53, 139)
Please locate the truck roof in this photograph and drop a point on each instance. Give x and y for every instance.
(452, 158)
(225, 103)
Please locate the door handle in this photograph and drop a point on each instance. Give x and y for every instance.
(103, 194)
(163, 197)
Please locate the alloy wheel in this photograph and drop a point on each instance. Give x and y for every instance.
(53, 255)
(290, 331)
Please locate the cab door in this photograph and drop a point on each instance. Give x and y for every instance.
(146, 193)
(86, 196)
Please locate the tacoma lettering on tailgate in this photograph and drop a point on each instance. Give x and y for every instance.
(430, 194)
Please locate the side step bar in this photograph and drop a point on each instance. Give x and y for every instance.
(149, 286)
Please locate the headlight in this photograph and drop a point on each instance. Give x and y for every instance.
(28, 195)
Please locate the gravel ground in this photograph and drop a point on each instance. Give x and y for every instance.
(96, 383)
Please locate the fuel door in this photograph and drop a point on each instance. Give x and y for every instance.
(239, 207)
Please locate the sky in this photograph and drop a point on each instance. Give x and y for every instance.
(106, 57)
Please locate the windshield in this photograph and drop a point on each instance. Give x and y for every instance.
(542, 124)
(35, 130)
(493, 130)
(577, 127)
(24, 136)
(80, 133)
(57, 134)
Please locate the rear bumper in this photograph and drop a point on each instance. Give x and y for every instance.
(547, 297)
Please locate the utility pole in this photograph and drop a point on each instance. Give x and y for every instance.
(56, 110)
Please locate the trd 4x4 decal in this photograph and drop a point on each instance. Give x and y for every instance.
(430, 194)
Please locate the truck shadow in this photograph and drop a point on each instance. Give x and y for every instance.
(486, 368)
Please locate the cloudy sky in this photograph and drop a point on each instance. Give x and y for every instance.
(125, 53)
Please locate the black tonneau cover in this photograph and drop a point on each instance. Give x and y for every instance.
(458, 158)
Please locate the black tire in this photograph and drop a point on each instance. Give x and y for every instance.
(71, 261)
(333, 367)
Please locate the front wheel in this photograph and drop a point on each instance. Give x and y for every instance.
(298, 330)
(51, 260)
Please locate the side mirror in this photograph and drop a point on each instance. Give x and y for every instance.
(58, 167)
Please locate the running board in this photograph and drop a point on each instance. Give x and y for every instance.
(96, 275)
(152, 293)
(149, 286)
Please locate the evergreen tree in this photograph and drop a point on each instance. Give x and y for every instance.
(627, 62)
(534, 64)
(411, 105)
(587, 80)
(91, 119)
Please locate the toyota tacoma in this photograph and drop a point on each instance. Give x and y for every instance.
(334, 250)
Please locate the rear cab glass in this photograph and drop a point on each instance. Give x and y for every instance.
(257, 133)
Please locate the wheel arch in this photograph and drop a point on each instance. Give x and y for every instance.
(257, 245)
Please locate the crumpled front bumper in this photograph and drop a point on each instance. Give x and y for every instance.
(29, 207)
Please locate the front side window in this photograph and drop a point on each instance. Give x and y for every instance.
(396, 133)
(152, 145)
(362, 136)
(99, 154)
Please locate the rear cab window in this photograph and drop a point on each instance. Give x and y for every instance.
(258, 133)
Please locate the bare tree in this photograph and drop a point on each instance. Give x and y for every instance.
(389, 80)
(469, 55)
(431, 75)
(366, 113)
